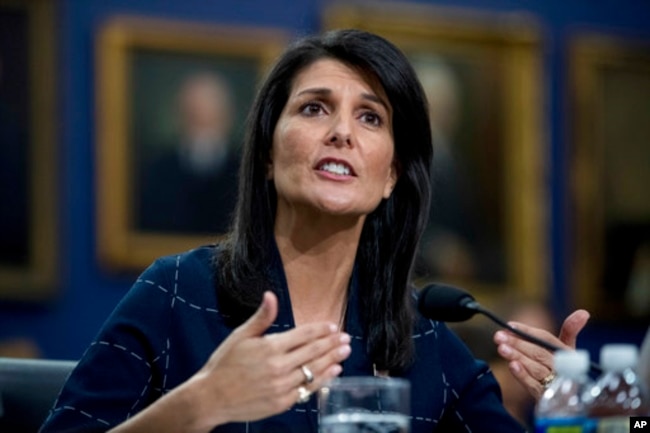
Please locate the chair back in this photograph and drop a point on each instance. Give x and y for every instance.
(28, 389)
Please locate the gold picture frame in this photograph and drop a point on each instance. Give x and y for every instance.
(28, 264)
(139, 61)
(498, 58)
(610, 116)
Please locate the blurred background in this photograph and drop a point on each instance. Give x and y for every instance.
(541, 115)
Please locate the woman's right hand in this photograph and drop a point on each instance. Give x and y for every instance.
(251, 376)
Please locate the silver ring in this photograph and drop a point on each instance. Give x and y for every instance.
(547, 380)
(303, 395)
(309, 376)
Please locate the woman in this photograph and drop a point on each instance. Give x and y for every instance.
(312, 280)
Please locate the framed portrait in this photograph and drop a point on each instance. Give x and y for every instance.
(28, 220)
(172, 98)
(610, 116)
(482, 78)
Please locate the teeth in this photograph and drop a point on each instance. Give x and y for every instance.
(339, 169)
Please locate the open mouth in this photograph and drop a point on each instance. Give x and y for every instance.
(337, 168)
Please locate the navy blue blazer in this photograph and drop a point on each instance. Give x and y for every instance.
(169, 323)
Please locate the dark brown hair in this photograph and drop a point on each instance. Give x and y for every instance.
(391, 232)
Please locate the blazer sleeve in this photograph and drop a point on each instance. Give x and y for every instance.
(121, 372)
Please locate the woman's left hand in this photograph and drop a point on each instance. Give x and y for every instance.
(532, 364)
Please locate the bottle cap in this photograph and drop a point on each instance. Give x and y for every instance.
(571, 362)
(618, 357)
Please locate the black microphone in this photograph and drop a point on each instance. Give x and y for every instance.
(451, 304)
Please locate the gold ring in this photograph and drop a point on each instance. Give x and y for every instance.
(548, 379)
(303, 394)
(309, 376)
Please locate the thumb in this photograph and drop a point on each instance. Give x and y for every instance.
(572, 326)
(260, 321)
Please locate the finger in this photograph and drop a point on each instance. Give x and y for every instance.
(278, 367)
(317, 356)
(533, 386)
(537, 362)
(323, 364)
(332, 351)
(319, 380)
(572, 326)
(515, 346)
(260, 321)
(323, 378)
(539, 333)
(322, 352)
(284, 342)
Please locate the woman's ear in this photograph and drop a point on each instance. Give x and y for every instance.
(269, 168)
(394, 174)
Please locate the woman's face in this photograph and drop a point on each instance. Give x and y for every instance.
(333, 143)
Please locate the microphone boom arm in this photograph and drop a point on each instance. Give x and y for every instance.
(473, 305)
(478, 308)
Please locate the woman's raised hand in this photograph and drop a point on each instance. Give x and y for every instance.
(252, 376)
(533, 365)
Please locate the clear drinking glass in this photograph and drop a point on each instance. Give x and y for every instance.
(365, 405)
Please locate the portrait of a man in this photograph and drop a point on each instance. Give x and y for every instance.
(463, 240)
(189, 184)
(186, 133)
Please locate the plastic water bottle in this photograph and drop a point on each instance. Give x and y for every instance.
(561, 409)
(618, 393)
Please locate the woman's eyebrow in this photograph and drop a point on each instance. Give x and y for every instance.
(374, 98)
(315, 91)
(324, 91)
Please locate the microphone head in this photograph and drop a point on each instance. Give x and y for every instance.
(446, 303)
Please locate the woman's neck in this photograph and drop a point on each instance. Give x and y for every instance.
(318, 264)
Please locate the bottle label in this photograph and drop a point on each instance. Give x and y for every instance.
(560, 425)
(613, 424)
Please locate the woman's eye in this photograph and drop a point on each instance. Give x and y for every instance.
(371, 118)
(311, 108)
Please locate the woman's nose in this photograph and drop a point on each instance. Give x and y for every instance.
(341, 133)
(340, 140)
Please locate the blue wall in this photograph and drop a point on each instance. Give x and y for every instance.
(63, 327)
